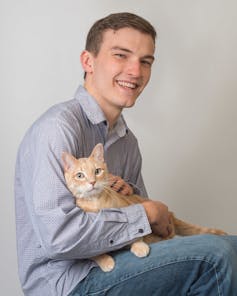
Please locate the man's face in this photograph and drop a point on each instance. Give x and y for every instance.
(122, 68)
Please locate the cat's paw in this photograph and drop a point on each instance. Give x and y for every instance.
(108, 264)
(105, 262)
(140, 249)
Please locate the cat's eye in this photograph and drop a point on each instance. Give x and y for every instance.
(98, 171)
(80, 175)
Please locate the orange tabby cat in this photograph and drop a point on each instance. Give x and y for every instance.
(87, 179)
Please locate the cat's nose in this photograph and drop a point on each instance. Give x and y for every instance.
(92, 183)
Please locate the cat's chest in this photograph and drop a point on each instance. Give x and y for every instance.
(88, 205)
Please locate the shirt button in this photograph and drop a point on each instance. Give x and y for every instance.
(111, 241)
(140, 230)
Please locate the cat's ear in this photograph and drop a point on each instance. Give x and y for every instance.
(98, 153)
(68, 161)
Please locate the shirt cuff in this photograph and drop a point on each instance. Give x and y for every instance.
(137, 220)
(135, 225)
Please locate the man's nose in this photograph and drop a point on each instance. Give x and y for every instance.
(134, 68)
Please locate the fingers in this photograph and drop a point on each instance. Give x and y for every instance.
(170, 229)
(163, 230)
(119, 185)
(126, 190)
(159, 217)
(167, 231)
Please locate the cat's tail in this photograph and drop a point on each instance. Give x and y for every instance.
(184, 228)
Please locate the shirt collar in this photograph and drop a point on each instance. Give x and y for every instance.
(94, 112)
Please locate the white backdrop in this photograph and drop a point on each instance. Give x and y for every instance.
(185, 120)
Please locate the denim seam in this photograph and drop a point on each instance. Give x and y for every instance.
(127, 277)
(218, 286)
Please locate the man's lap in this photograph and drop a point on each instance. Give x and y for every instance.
(171, 267)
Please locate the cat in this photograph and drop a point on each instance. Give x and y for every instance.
(88, 181)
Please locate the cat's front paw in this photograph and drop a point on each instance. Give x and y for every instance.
(105, 262)
(108, 264)
(140, 249)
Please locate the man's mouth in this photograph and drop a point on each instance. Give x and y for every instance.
(127, 84)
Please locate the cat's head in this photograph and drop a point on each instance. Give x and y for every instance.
(86, 177)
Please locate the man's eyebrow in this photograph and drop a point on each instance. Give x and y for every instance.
(121, 48)
(129, 51)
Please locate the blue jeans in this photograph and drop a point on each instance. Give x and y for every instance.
(204, 265)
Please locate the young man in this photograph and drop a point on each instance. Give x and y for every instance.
(55, 238)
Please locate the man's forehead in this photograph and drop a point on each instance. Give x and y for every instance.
(123, 32)
(126, 38)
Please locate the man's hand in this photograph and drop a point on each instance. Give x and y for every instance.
(159, 217)
(119, 185)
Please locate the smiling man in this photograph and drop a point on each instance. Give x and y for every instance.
(118, 73)
(55, 239)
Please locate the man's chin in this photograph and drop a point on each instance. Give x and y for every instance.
(130, 103)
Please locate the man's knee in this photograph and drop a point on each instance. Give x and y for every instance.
(207, 247)
(220, 252)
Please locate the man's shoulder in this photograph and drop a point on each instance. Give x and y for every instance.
(62, 113)
(131, 136)
(66, 116)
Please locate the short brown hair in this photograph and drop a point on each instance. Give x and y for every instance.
(115, 22)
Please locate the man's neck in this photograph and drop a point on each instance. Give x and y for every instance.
(111, 112)
(111, 119)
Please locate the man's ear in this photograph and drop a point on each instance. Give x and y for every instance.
(87, 61)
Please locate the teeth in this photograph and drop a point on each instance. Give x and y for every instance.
(127, 84)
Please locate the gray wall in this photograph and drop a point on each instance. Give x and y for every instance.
(185, 120)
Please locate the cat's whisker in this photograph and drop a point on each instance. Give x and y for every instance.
(111, 178)
(108, 190)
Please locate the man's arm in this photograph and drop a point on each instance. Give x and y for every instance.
(158, 217)
(157, 212)
(63, 230)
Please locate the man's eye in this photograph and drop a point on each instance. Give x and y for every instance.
(145, 62)
(98, 171)
(80, 175)
(120, 55)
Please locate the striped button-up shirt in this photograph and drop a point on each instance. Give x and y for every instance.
(54, 237)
